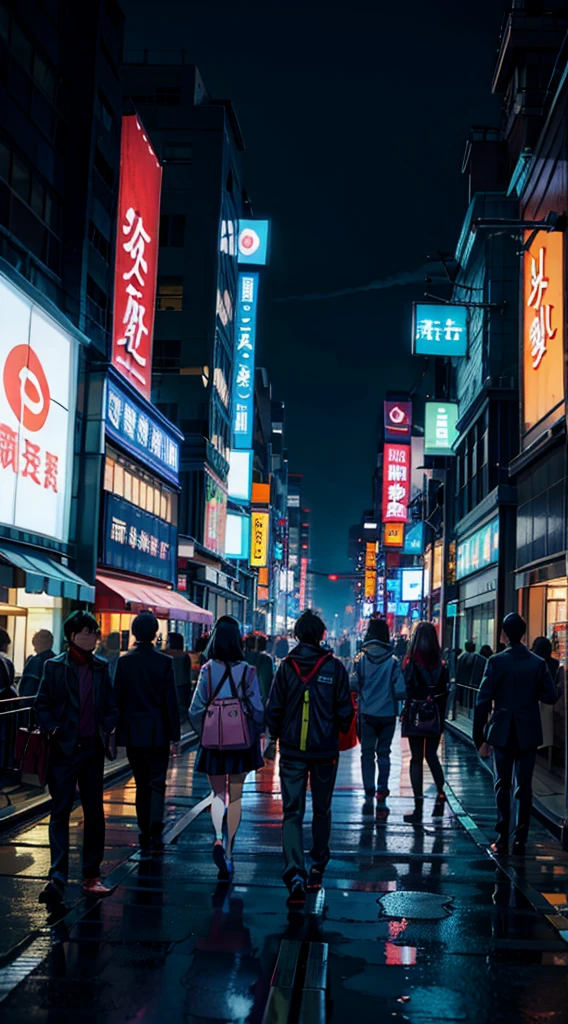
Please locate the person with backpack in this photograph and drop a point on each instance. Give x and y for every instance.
(379, 683)
(309, 705)
(227, 714)
(427, 685)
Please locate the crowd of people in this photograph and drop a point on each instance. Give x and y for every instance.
(246, 713)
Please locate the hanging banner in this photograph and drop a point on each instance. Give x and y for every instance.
(543, 327)
(253, 242)
(136, 261)
(396, 483)
(439, 330)
(440, 434)
(371, 571)
(398, 421)
(243, 374)
(259, 531)
(394, 535)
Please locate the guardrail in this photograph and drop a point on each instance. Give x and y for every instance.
(462, 701)
(14, 713)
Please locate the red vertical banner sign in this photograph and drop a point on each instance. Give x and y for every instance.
(396, 483)
(303, 582)
(136, 262)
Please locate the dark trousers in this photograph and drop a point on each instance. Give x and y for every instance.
(149, 767)
(85, 769)
(521, 762)
(376, 741)
(294, 776)
(424, 748)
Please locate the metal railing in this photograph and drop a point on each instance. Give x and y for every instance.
(461, 704)
(15, 712)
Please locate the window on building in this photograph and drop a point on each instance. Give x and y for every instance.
(177, 152)
(21, 178)
(103, 167)
(168, 95)
(99, 242)
(44, 77)
(170, 294)
(104, 111)
(172, 230)
(128, 481)
(98, 305)
(167, 356)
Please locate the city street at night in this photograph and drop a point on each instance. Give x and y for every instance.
(415, 922)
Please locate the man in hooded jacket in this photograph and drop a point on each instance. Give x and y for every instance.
(378, 680)
(309, 705)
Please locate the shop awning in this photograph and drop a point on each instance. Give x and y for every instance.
(44, 575)
(166, 604)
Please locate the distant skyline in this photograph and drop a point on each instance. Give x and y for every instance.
(355, 121)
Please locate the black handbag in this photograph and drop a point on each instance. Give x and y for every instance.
(421, 718)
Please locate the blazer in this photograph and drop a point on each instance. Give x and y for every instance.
(513, 683)
(57, 702)
(145, 694)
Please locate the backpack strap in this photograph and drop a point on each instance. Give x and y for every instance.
(313, 672)
(226, 674)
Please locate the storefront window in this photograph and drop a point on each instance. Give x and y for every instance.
(478, 624)
(126, 481)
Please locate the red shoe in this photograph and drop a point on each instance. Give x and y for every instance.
(94, 887)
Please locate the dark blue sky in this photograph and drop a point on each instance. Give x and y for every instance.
(355, 119)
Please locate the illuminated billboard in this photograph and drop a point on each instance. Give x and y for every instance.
(259, 533)
(479, 550)
(243, 372)
(136, 261)
(215, 520)
(411, 584)
(237, 537)
(370, 571)
(440, 432)
(253, 242)
(543, 327)
(394, 535)
(439, 330)
(239, 480)
(37, 416)
(396, 483)
(414, 539)
(398, 421)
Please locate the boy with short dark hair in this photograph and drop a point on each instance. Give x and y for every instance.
(75, 707)
(309, 705)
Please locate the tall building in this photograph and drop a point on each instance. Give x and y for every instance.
(200, 145)
(60, 96)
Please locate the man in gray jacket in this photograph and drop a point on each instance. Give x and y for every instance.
(378, 680)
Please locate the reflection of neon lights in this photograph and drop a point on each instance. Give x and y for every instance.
(397, 956)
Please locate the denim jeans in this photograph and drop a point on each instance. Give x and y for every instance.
(376, 741)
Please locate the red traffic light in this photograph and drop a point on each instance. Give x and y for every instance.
(333, 577)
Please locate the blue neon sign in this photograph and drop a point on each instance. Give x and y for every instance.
(479, 550)
(243, 372)
(134, 425)
(439, 330)
(253, 242)
(414, 540)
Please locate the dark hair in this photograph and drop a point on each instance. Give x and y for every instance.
(145, 626)
(485, 651)
(470, 647)
(514, 627)
(377, 630)
(226, 643)
(202, 643)
(5, 638)
(424, 647)
(175, 641)
(256, 642)
(77, 622)
(543, 647)
(309, 628)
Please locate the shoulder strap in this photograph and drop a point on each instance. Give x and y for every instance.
(226, 673)
(314, 671)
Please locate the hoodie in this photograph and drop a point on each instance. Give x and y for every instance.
(307, 717)
(378, 680)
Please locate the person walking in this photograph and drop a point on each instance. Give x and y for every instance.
(42, 643)
(427, 680)
(486, 652)
(255, 654)
(75, 707)
(513, 684)
(309, 705)
(182, 672)
(145, 694)
(226, 675)
(379, 683)
(470, 667)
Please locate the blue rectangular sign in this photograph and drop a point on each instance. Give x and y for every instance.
(479, 550)
(439, 330)
(137, 541)
(237, 537)
(243, 373)
(130, 423)
(253, 242)
(414, 540)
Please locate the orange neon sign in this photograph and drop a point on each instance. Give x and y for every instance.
(543, 327)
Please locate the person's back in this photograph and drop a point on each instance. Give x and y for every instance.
(146, 698)
(470, 667)
(33, 671)
(375, 675)
(518, 680)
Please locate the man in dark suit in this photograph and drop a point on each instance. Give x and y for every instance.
(75, 707)
(513, 684)
(145, 693)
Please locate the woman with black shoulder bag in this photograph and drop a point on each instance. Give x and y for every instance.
(427, 686)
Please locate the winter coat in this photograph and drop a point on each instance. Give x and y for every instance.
(378, 680)
(308, 717)
(58, 701)
(422, 683)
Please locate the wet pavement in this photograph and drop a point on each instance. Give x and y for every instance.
(416, 923)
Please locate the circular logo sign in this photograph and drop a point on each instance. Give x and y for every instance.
(26, 387)
(397, 416)
(249, 242)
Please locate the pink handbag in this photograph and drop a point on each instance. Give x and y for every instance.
(225, 726)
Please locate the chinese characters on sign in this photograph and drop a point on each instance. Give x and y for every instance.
(259, 529)
(394, 535)
(439, 330)
(543, 328)
(440, 432)
(138, 541)
(396, 483)
(370, 571)
(303, 583)
(131, 425)
(136, 256)
(243, 385)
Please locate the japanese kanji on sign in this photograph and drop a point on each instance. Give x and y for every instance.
(136, 256)
(396, 483)
(543, 327)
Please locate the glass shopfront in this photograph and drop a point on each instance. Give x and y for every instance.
(545, 607)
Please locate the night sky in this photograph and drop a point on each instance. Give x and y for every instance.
(355, 119)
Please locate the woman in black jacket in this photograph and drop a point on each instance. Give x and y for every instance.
(426, 677)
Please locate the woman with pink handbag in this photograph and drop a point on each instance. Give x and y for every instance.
(228, 715)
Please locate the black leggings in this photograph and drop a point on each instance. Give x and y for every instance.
(421, 748)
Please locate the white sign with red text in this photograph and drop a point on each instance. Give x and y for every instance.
(37, 376)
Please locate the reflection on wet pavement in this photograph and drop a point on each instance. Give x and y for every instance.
(473, 944)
